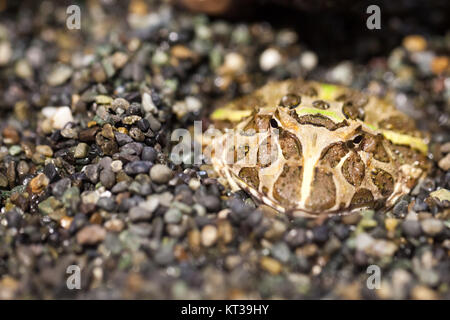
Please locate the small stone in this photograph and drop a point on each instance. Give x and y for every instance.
(432, 226)
(281, 252)
(137, 167)
(58, 117)
(296, 237)
(147, 103)
(269, 59)
(39, 183)
(444, 163)
(88, 134)
(59, 75)
(81, 150)
(120, 103)
(45, 150)
(102, 99)
(51, 172)
(421, 292)
(233, 63)
(6, 52)
(138, 214)
(131, 119)
(149, 154)
(107, 131)
(391, 224)
(122, 138)
(15, 150)
(13, 218)
(161, 173)
(106, 203)
(91, 235)
(209, 235)
(10, 135)
(173, 215)
(116, 166)
(445, 148)
(92, 172)
(210, 202)
(271, 265)
(308, 60)
(114, 225)
(107, 178)
(49, 205)
(414, 43)
(440, 64)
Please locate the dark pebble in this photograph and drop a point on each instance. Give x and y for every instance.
(321, 234)
(296, 237)
(91, 172)
(106, 203)
(88, 135)
(143, 125)
(122, 138)
(137, 167)
(133, 148)
(211, 203)
(411, 228)
(400, 208)
(50, 172)
(107, 178)
(149, 154)
(13, 218)
(58, 188)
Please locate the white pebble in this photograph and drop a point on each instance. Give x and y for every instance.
(269, 59)
(116, 166)
(58, 117)
(308, 60)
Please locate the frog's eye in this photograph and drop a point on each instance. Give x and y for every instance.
(273, 123)
(290, 101)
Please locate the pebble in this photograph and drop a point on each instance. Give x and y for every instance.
(59, 75)
(209, 235)
(281, 252)
(173, 215)
(414, 43)
(444, 163)
(122, 138)
(81, 150)
(432, 226)
(5, 52)
(210, 202)
(39, 183)
(58, 117)
(149, 154)
(308, 60)
(91, 235)
(137, 167)
(137, 214)
(269, 59)
(271, 265)
(116, 166)
(44, 150)
(411, 228)
(161, 173)
(107, 178)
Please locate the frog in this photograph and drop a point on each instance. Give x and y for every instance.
(309, 148)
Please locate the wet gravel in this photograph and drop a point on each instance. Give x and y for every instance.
(86, 176)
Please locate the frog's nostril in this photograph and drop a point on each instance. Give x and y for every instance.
(273, 123)
(357, 139)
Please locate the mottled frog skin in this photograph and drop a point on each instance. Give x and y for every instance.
(318, 148)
